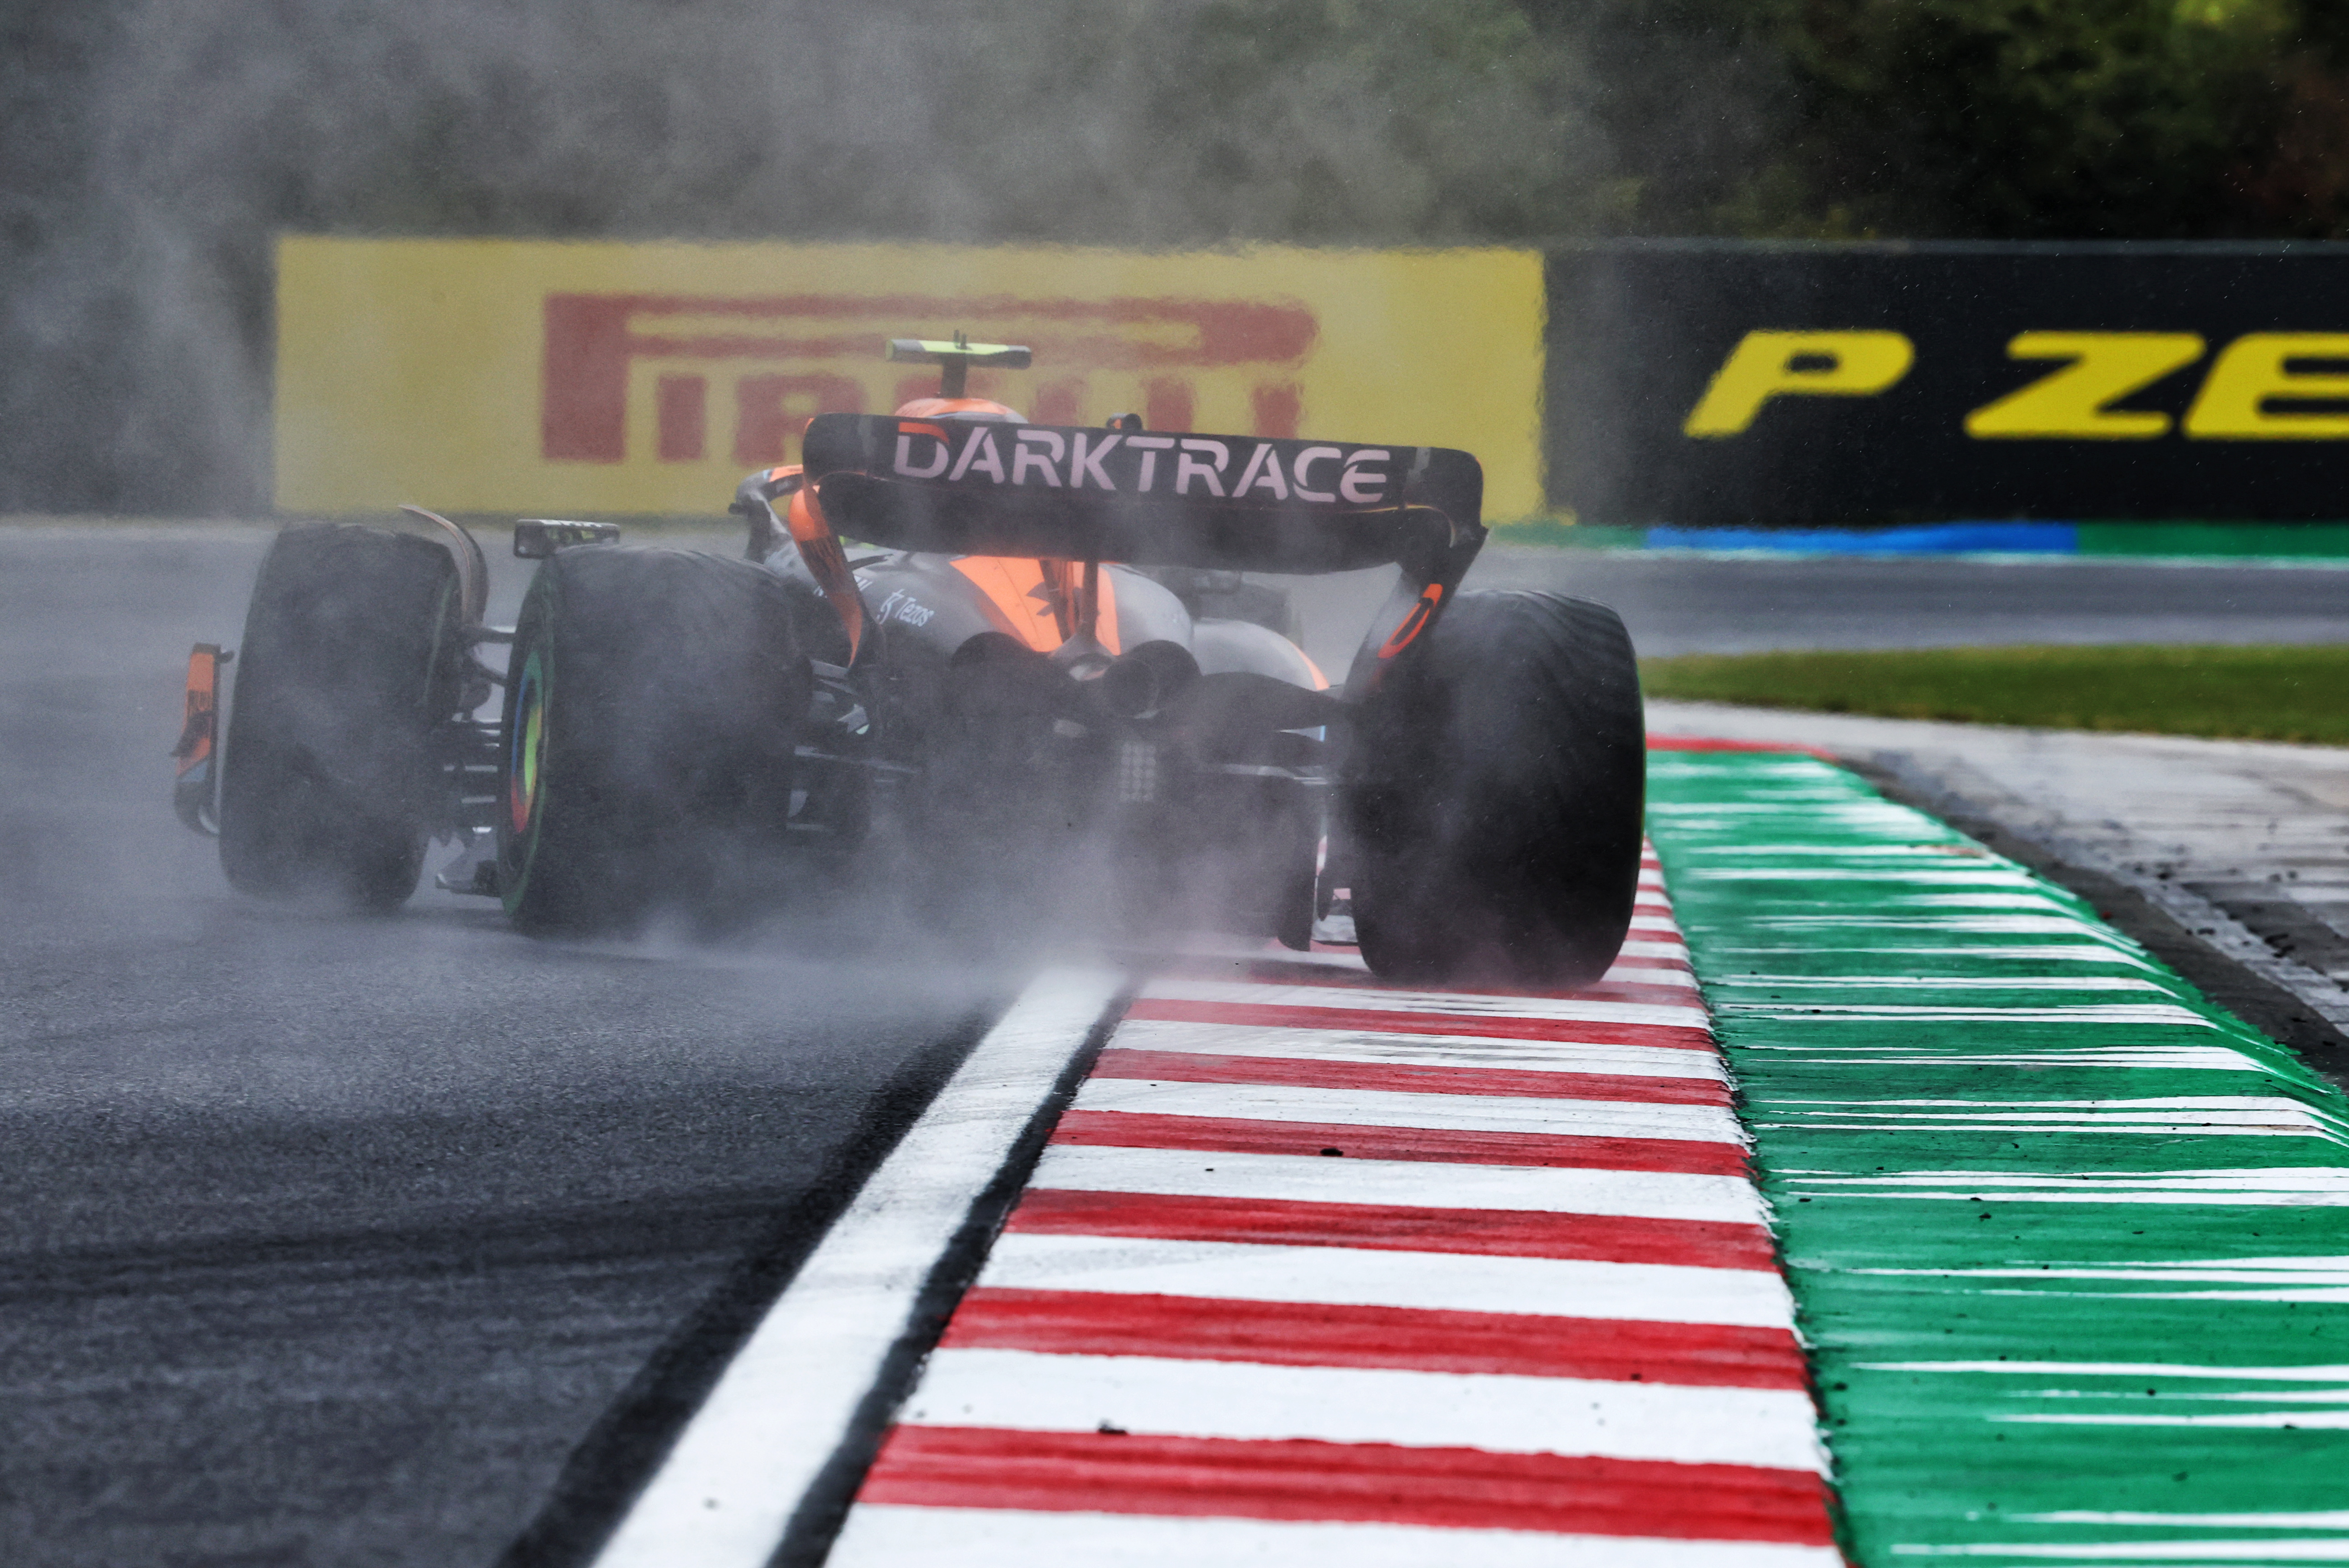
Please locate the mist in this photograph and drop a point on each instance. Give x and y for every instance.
(155, 147)
(155, 150)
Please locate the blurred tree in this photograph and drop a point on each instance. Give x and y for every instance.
(1993, 119)
(1697, 104)
(148, 149)
(2295, 180)
(1367, 120)
(2032, 119)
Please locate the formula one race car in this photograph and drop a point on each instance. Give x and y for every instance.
(1049, 666)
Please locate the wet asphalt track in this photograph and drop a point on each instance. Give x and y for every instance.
(1724, 604)
(1684, 602)
(335, 1242)
(330, 1242)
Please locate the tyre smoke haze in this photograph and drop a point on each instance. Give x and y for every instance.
(156, 146)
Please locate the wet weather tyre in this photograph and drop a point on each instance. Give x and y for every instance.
(1496, 790)
(653, 703)
(351, 657)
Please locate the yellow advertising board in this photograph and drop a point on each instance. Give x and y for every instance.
(571, 378)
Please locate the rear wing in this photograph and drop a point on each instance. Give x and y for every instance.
(1240, 502)
(1236, 502)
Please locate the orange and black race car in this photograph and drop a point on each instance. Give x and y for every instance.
(976, 660)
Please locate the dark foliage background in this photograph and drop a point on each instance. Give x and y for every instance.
(148, 149)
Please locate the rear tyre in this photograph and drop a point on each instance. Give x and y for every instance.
(1495, 789)
(653, 703)
(351, 657)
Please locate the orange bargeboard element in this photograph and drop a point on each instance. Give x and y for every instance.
(630, 379)
(1039, 611)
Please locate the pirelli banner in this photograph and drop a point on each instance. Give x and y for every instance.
(1729, 383)
(613, 379)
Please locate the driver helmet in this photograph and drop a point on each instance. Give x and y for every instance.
(985, 408)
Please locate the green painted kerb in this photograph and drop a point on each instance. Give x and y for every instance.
(2070, 1246)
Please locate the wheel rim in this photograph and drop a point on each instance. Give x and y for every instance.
(525, 762)
(524, 807)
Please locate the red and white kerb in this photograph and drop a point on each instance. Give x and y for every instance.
(1316, 1270)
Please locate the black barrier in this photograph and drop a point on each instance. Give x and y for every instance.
(1726, 383)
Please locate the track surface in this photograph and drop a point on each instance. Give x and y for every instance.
(1717, 603)
(1689, 603)
(328, 1241)
(332, 1242)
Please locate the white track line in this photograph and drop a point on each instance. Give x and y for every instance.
(1389, 1109)
(1022, 1391)
(1350, 1276)
(879, 1536)
(1347, 998)
(1405, 1183)
(1424, 1049)
(729, 1487)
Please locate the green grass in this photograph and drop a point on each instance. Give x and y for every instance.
(2241, 693)
(1564, 534)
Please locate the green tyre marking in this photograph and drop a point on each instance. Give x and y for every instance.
(521, 803)
(2070, 1246)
